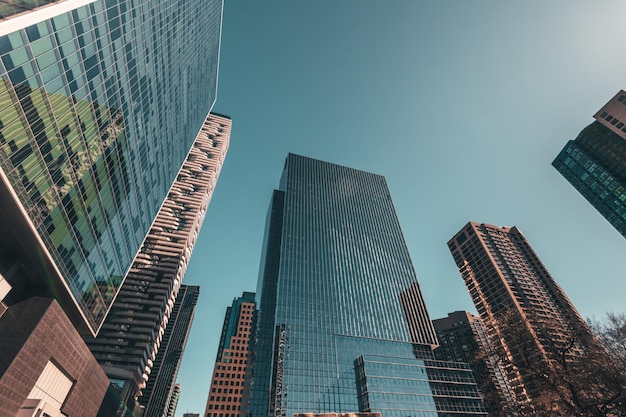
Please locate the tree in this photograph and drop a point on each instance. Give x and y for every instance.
(612, 335)
(564, 374)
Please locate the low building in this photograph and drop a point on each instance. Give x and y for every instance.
(45, 367)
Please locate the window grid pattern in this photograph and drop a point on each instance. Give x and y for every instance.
(98, 109)
(427, 388)
(9, 8)
(158, 392)
(336, 284)
(510, 286)
(595, 164)
(228, 394)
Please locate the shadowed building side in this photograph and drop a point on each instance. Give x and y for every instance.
(158, 392)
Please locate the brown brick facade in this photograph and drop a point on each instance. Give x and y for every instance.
(35, 332)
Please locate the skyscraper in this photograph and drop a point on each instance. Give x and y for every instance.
(100, 102)
(342, 323)
(595, 163)
(160, 388)
(515, 294)
(228, 393)
(129, 339)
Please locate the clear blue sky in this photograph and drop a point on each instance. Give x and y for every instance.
(461, 105)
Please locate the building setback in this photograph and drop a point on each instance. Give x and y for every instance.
(100, 103)
(129, 339)
(595, 162)
(157, 395)
(342, 324)
(515, 294)
(229, 391)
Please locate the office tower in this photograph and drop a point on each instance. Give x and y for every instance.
(100, 102)
(171, 407)
(45, 367)
(516, 295)
(229, 394)
(595, 162)
(342, 324)
(463, 338)
(129, 339)
(158, 392)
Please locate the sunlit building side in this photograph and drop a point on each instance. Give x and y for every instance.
(229, 390)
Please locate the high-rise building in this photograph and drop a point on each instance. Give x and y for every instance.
(100, 102)
(229, 393)
(595, 162)
(128, 341)
(515, 294)
(342, 324)
(158, 392)
(171, 407)
(463, 338)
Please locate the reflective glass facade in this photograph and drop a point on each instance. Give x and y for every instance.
(336, 283)
(10, 8)
(595, 164)
(99, 107)
(396, 386)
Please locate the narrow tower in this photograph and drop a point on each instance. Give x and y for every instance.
(229, 391)
(160, 389)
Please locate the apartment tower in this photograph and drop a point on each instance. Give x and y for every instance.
(595, 162)
(129, 339)
(518, 300)
(342, 322)
(229, 391)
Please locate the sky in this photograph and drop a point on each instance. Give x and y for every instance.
(461, 105)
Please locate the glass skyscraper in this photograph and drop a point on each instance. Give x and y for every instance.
(100, 102)
(595, 163)
(342, 323)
